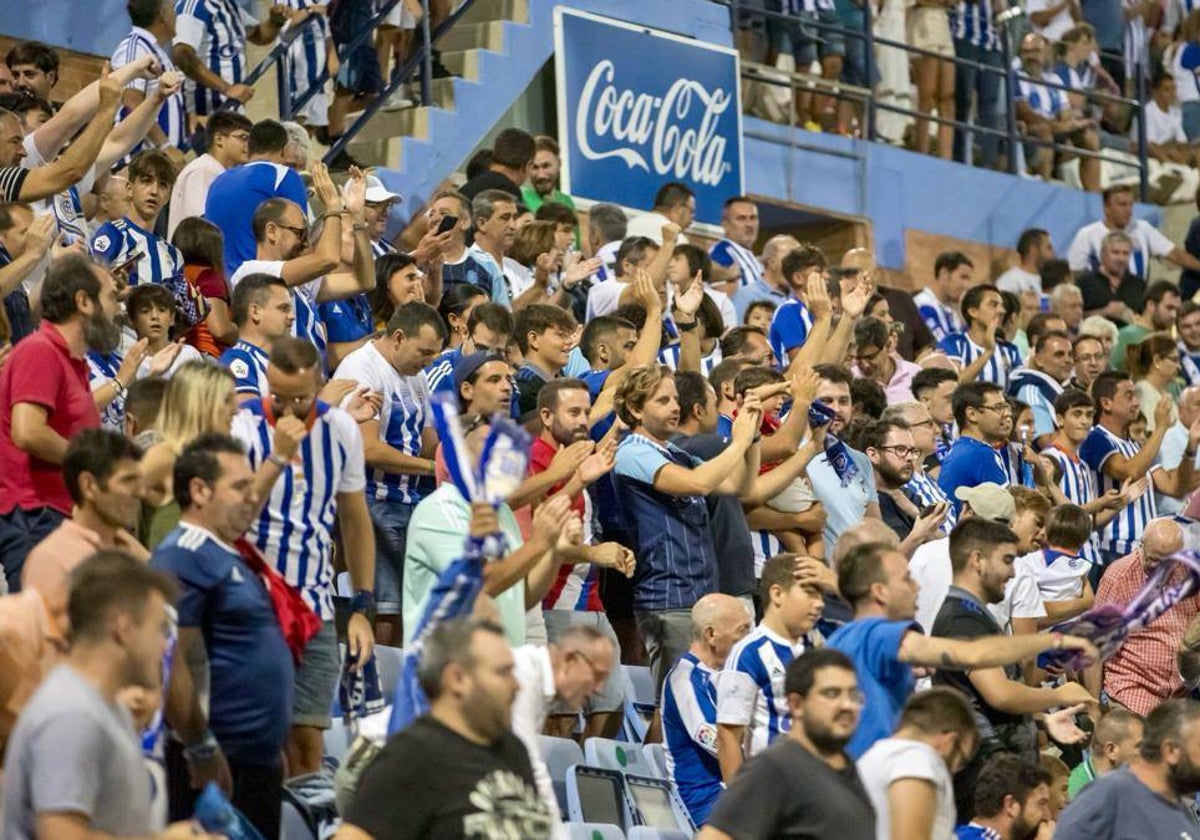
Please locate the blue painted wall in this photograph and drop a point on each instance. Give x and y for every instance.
(89, 26)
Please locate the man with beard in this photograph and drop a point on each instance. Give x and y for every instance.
(542, 186)
(1157, 313)
(804, 785)
(574, 596)
(45, 400)
(890, 448)
(101, 473)
(1087, 351)
(984, 421)
(227, 616)
(1147, 797)
(982, 555)
(1011, 802)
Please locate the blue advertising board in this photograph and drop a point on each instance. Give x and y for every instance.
(638, 108)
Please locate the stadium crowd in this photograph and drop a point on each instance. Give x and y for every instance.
(838, 520)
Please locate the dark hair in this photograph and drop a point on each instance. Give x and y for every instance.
(483, 205)
(111, 582)
(537, 318)
(546, 143)
(802, 671)
(547, 396)
(875, 433)
(267, 137)
(726, 372)
(1029, 239)
(770, 306)
(599, 330)
(755, 376)
(697, 260)
(145, 295)
(143, 13)
(1068, 526)
(1072, 398)
(22, 102)
(780, 571)
(610, 221)
(65, 278)
(929, 379)
(833, 373)
(531, 241)
(200, 242)
(709, 317)
(801, 259)
(938, 710)
(973, 297)
(144, 399)
(1104, 387)
(861, 568)
(557, 212)
(152, 164)
(1139, 358)
(222, 121)
(1037, 326)
(292, 355)
(971, 395)
(1044, 338)
(1054, 273)
(1115, 189)
(473, 377)
(976, 534)
(495, 316)
(632, 248)
(449, 643)
(1002, 776)
(252, 290)
(1155, 293)
(868, 397)
(7, 218)
(1165, 723)
(737, 339)
(414, 315)
(870, 332)
(691, 389)
(1187, 308)
(736, 199)
(454, 299)
(387, 265)
(672, 194)
(95, 451)
(1079, 339)
(199, 460)
(951, 260)
(513, 148)
(478, 164)
(36, 53)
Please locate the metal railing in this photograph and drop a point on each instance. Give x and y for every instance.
(1016, 139)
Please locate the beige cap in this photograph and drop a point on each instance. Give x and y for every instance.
(989, 501)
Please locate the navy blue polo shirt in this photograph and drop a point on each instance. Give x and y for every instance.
(250, 665)
(676, 561)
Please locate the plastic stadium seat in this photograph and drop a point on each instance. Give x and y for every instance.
(337, 741)
(639, 701)
(596, 795)
(657, 755)
(559, 754)
(618, 755)
(294, 826)
(593, 831)
(389, 661)
(642, 832)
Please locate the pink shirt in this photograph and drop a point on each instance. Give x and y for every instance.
(899, 388)
(48, 567)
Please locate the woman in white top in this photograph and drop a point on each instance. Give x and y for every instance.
(909, 776)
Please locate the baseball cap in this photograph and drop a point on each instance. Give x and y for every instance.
(989, 501)
(470, 363)
(377, 193)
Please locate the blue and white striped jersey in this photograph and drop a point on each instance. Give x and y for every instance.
(308, 323)
(439, 376)
(750, 691)
(294, 530)
(941, 319)
(1045, 100)
(1148, 241)
(216, 30)
(971, 22)
(669, 356)
(172, 117)
(1124, 532)
(789, 328)
(1005, 358)
(379, 247)
(766, 545)
(1190, 362)
(66, 205)
(102, 369)
(248, 364)
(689, 722)
(1038, 390)
(306, 56)
(728, 253)
(402, 419)
(160, 263)
(924, 491)
(1016, 468)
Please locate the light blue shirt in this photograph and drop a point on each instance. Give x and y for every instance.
(844, 506)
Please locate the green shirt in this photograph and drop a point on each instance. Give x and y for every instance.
(1127, 336)
(1081, 777)
(435, 537)
(532, 201)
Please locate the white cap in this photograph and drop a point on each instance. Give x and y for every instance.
(377, 193)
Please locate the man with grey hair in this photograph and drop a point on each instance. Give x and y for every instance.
(689, 701)
(295, 153)
(495, 215)
(1066, 301)
(472, 771)
(1111, 289)
(773, 285)
(606, 225)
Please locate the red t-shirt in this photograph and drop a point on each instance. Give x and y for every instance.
(209, 284)
(42, 371)
(576, 587)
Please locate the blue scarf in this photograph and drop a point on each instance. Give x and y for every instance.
(836, 451)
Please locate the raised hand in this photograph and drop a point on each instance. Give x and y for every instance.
(326, 191)
(289, 433)
(127, 372)
(354, 194)
(804, 388)
(364, 405)
(600, 462)
(549, 521)
(161, 361)
(40, 233)
(809, 571)
(570, 458)
(647, 295)
(854, 302)
(816, 294)
(689, 302)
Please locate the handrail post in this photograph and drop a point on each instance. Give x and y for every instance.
(426, 57)
(283, 89)
(868, 37)
(1010, 102)
(1143, 171)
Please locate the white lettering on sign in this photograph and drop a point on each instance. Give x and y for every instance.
(637, 119)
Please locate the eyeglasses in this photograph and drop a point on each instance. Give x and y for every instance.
(299, 232)
(1001, 409)
(240, 136)
(597, 675)
(868, 357)
(921, 423)
(902, 452)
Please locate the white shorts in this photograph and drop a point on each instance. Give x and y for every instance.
(400, 17)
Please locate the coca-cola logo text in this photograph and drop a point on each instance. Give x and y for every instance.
(643, 124)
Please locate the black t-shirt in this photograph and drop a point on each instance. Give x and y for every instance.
(894, 516)
(916, 336)
(963, 618)
(727, 522)
(489, 180)
(1098, 293)
(431, 783)
(787, 791)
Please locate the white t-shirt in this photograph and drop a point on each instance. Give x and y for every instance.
(1058, 25)
(893, 759)
(1148, 241)
(1017, 280)
(650, 225)
(187, 353)
(191, 190)
(1164, 126)
(1059, 577)
(1022, 599)
(930, 568)
(605, 297)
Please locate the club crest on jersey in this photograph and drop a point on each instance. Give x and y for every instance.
(239, 368)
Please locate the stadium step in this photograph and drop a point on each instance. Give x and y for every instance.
(490, 10)
(486, 35)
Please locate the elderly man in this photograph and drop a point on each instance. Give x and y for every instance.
(1111, 288)
(1066, 301)
(1143, 672)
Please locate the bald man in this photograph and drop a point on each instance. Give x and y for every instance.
(1144, 672)
(689, 701)
(916, 340)
(773, 286)
(1174, 444)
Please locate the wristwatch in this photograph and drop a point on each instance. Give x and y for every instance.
(364, 602)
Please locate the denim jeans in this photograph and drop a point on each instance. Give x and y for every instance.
(971, 81)
(20, 531)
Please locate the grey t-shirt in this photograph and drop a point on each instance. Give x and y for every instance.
(72, 752)
(1119, 807)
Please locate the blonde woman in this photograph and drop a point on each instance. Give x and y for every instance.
(929, 29)
(200, 398)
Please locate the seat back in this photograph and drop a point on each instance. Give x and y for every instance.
(643, 832)
(618, 755)
(294, 824)
(593, 831)
(389, 660)
(640, 702)
(656, 754)
(559, 754)
(597, 795)
(656, 804)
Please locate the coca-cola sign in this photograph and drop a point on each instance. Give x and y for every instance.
(638, 108)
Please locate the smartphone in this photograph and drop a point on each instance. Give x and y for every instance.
(128, 261)
(447, 224)
(928, 510)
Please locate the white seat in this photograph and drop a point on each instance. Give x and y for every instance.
(389, 661)
(656, 754)
(293, 825)
(642, 832)
(559, 754)
(593, 831)
(640, 702)
(618, 755)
